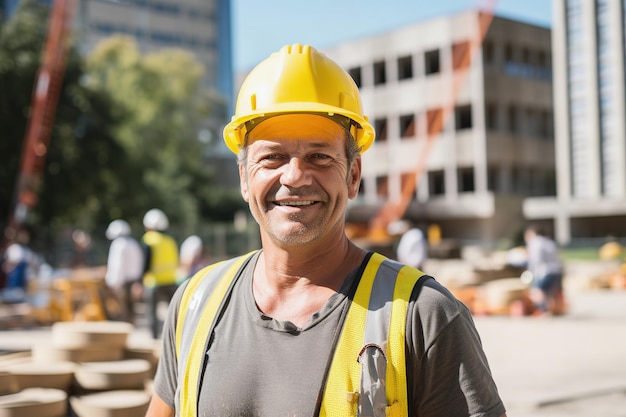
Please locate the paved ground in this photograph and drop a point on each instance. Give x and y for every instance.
(573, 366)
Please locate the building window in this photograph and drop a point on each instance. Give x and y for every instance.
(530, 123)
(407, 126)
(434, 118)
(463, 117)
(431, 62)
(546, 125)
(488, 52)
(380, 126)
(355, 73)
(465, 180)
(526, 56)
(436, 183)
(542, 60)
(508, 54)
(405, 67)
(461, 55)
(382, 187)
(380, 75)
(512, 120)
(492, 178)
(491, 116)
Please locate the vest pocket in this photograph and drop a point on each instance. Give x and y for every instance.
(373, 400)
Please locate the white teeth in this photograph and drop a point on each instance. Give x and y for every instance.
(295, 203)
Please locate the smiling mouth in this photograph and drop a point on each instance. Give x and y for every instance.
(295, 203)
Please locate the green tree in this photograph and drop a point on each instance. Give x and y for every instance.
(165, 108)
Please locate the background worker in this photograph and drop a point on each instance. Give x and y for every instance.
(17, 264)
(161, 264)
(544, 263)
(412, 248)
(192, 257)
(283, 331)
(125, 266)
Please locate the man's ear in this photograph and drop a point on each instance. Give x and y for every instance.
(243, 183)
(354, 179)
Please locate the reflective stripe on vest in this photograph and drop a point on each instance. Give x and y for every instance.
(367, 376)
(202, 299)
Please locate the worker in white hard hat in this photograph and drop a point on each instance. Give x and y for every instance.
(312, 324)
(191, 258)
(125, 266)
(159, 280)
(412, 247)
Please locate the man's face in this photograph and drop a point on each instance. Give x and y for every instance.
(297, 179)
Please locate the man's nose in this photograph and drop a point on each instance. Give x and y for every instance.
(295, 173)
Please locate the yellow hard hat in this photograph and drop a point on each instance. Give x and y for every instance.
(298, 79)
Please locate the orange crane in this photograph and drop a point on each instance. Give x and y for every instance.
(395, 210)
(44, 102)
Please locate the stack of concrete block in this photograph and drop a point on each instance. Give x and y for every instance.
(86, 369)
(31, 402)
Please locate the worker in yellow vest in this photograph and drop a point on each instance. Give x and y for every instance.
(161, 264)
(312, 324)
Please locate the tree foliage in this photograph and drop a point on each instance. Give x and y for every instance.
(165, 108)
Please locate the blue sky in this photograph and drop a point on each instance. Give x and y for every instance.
(261, 27)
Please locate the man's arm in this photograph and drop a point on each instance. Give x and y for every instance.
(158, 408)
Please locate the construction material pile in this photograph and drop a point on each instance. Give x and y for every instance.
(87, 369)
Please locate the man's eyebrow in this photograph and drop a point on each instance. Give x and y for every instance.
(270, 146)
(319, 145)
(313, 144)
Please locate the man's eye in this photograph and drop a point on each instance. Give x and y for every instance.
(270, 157)
(320, 156)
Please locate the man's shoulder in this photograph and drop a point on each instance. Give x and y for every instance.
(434, 299)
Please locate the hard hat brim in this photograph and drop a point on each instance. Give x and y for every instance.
(235, 132)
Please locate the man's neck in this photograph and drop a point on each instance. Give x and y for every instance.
(318, 264)
(294, 284)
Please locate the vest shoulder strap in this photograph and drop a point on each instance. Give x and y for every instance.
(370, 354)
(201, 302)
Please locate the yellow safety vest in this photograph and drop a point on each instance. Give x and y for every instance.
(163, 259)
(373, 332)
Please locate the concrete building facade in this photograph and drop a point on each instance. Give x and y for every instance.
(471, 123)
(590, 108)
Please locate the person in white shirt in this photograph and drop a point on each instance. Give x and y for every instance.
(191, 257)
(125, 265)
(412, 249)
(546, 268)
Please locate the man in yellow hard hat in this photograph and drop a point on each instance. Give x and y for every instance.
(312, 324)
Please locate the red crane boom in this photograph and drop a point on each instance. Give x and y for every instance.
(42, 113)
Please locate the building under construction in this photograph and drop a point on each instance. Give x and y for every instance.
(463, 111)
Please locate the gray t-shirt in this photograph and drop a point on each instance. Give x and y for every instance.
(261, 367)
